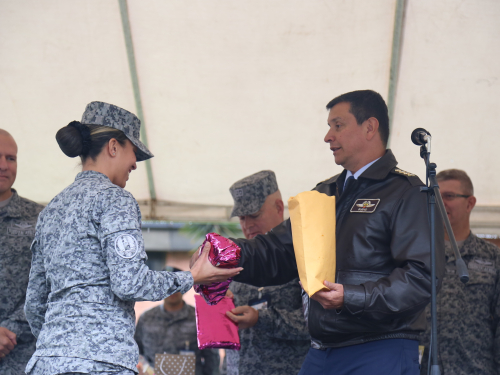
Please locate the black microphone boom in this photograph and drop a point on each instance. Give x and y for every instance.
(419, 136)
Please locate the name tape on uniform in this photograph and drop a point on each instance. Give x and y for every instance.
(365, 205)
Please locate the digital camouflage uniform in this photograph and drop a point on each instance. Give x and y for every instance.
(88, 268)
(159, 331)
(17, 229)
(468, 314)
(279, 342)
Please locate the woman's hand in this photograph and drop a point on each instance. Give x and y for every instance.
(205, 273)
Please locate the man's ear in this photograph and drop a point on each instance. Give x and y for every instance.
(471, 202)
(371, 126)
(280, 206)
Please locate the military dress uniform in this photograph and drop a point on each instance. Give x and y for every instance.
(17, 229)
(161, 331)
(468, 314)
(88, 268)
(279, 342)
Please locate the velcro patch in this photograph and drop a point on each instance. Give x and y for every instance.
(365, 205)
(126, 246)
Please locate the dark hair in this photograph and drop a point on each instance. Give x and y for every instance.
(366, 104)
(459, 175)
(86, 141)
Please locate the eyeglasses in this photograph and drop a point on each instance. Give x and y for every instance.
(451, 196)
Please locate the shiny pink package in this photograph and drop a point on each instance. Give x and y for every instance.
(223, 253)
(213, 327)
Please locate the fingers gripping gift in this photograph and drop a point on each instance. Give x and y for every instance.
(223, 253)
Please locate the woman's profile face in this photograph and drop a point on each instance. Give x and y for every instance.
(125, 163)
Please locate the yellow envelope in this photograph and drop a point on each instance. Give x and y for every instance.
(312, 215)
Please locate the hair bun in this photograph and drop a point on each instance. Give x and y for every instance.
(74, 139)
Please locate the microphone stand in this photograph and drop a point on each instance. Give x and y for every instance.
(433, 195)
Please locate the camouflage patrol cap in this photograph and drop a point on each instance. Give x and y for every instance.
(250, 193)
(99, 113)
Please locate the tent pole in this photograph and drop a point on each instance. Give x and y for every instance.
(137, 96)
(397, 40)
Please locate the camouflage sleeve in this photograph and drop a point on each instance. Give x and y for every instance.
(118, 218)
(283, 324)
(211, 361)
(37, 293)
(17, 323)
(496, 322)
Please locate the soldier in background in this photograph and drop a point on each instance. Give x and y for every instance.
(273, 333)
(17, 229)
(468, 315)
(171, 328)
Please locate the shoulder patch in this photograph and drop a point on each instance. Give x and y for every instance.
(126, 246)
(404, 173)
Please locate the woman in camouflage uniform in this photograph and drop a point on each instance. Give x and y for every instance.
(88, 255)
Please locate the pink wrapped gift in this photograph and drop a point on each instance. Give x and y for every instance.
(223, 253)
(214, 328)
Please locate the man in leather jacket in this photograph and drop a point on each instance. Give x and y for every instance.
(368, 320)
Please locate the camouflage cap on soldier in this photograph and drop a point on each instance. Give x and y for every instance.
(99, 113)
(250, 193)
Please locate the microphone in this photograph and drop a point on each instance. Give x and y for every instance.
(420, 136)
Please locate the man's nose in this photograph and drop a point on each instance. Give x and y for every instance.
(328, 137)
(134, 167)
(3, 163)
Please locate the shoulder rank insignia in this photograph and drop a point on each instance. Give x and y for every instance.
(365, 205)
(404, 173)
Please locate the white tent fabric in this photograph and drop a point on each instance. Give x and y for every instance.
(230, 88)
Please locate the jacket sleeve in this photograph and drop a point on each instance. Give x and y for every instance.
(268, 259)
(117, 217)
(411, 278)
(37, 292)
(282, 323)
(17, 323)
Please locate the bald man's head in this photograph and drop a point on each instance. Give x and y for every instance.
(8, 164)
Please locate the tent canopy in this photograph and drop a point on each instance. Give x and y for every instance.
(230, 88)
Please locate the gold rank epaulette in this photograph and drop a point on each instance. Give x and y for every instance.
(404, 173)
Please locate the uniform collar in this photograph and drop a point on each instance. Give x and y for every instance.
(377, 171)
(468, 248)
(13, 209)
(381, 168)
(92, 174)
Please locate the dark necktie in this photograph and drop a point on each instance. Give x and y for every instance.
(348, 184)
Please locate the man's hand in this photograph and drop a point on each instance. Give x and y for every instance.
(244, 316)
(330, 299)
(204, 273)
(7, 341)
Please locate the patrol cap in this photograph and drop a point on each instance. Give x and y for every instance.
(250, 193)
(100, 113)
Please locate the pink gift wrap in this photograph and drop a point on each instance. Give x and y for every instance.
(223, 253)
(214, 328)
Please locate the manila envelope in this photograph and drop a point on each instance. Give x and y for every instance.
(175, 364)
(312, 215)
